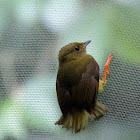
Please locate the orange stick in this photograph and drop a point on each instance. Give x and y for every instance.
(106, 71)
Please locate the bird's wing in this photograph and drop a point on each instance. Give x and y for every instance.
(64, 97)
(84, 94)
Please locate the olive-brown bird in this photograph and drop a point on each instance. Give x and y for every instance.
(77, 86)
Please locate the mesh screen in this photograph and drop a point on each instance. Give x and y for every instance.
(31, 34)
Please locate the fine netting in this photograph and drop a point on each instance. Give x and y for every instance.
(31, 34)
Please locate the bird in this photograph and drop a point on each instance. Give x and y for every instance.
(78, 85)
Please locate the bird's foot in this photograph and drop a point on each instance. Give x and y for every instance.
(101, 85)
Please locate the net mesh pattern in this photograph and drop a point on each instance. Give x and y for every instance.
(31, 35)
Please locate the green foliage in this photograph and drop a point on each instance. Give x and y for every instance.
(11, 122)
(125, 32)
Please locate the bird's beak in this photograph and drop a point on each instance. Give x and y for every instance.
(86, 43)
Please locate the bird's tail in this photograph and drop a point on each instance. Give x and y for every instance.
(98, 111)
(76, 120)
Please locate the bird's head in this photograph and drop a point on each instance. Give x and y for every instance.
(72, 51)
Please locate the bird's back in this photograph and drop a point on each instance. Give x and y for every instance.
(80, 79)
(69, 74)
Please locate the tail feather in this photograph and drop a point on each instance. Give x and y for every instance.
(99, 110)
(76, 120)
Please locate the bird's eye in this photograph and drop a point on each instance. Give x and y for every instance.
(77, 48)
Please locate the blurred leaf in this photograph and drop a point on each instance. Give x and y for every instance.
(11, 123)
(42, 109)
(125, 32)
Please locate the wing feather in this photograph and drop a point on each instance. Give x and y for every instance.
(82, 95)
